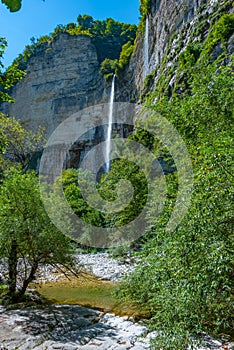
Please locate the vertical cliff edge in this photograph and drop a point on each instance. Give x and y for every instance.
(63, 76)
(172, 26)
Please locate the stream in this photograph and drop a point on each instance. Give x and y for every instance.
(81, 313)
(87, 290)
(95, 288)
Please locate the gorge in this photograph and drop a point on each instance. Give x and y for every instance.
(63, 75)
(173, 74)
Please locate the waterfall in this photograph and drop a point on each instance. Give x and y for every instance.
(146, 48)
(109, 129)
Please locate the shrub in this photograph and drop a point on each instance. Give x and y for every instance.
(125, 55)
(108, 68)
(221, 32)
(185, 277)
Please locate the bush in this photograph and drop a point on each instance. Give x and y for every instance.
(125, 55)
(119, 251)
(221, 32)
(186, 277)
(108, 68)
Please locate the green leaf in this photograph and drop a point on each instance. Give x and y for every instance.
(12, 5)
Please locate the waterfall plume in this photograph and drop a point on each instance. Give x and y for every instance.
(146, 48)
(109, 129)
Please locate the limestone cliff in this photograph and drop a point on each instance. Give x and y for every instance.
(171, 26)
(62, 78)
(166, 18)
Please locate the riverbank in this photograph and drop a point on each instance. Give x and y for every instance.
(101, 265)
(70, 327)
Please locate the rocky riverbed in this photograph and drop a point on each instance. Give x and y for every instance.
(71, 327)
(99, 264)
(68, 327)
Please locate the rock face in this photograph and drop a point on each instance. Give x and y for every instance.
(166, 19)
(71, 327)
(62, 78)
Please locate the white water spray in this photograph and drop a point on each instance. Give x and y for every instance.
(109, 129)
(146, 48)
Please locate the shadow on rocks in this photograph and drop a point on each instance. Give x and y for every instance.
(63, 323)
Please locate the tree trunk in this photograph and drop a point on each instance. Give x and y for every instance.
(12, 268)
(26, 282)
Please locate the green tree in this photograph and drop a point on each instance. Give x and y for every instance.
(125, 54)
(9, 77)
(113, 27)
(109, 67)
(18, 145)
(186, 277)
(98, 27)
(27, 235)
(85, 22)
(71, 180)
(124, 170)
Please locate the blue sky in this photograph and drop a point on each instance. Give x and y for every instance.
(38, 17)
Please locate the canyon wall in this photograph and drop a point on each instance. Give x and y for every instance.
(166, 17)
(62, 78)
(171, 25)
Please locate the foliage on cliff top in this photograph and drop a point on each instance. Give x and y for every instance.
(145, 7)
(9, 77)
(108, 36)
